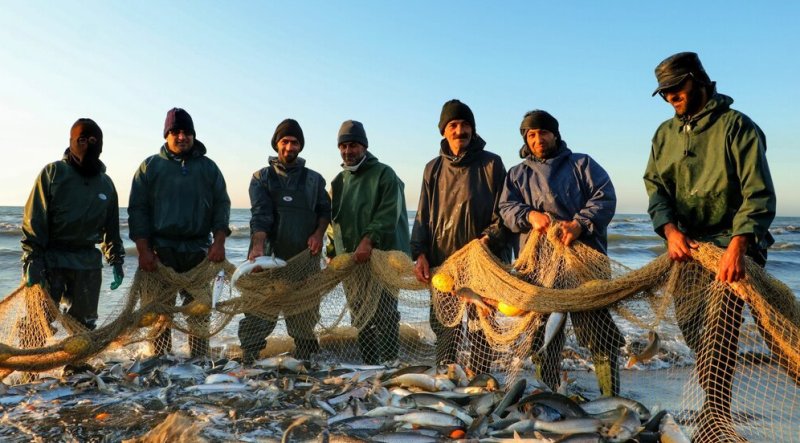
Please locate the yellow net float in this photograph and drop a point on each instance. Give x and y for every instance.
(508, 310)
(197, 309)
(443, 282)
(76, 345)
(341, 262)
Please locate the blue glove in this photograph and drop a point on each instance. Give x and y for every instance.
(34, 272)
(118, 275)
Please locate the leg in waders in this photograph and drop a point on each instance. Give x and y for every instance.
(301, 328)
(597, 331)
(547, 361)
(448, 339)
(378, 339)
(253, 332)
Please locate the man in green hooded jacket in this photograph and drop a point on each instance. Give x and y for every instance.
(73, 206)
(179, 211)
(369, 212)
(708, 180)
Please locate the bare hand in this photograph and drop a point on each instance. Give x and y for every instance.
(539, 221)
(148, 260)
(570, 231)
(315, 243)
(363, 251)
(731, 265)
(422, 269)
(216, 253)
(679, 246)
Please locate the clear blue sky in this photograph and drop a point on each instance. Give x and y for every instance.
(240, 68)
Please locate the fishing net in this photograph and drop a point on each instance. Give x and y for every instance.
(740, 373)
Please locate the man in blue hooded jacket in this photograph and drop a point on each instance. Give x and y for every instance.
(555, 185)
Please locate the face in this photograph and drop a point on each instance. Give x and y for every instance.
(179, 141)
(84, 139)
(288, 149)
(352, 153)
(458, 134)
(541, 142)
(687, 98)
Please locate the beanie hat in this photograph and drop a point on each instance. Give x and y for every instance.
(178, 119)
(288, 127)
(674, 69)
(353, 131)
(455, 110)
(538, 119)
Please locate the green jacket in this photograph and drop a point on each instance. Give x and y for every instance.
(709, 176)
(179, 201)
(369, 202)
(67, 214)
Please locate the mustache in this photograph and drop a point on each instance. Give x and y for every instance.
(462, 137)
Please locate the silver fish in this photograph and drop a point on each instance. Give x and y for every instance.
(554, 324)
(218, 387)
(423, 381)
(569, 426)
(261, 263)
(670, 432)
(431, 418)
(281, 362)
(220, 378)
(625, 427)
(403, 437)
(219, 285)
(604, 404)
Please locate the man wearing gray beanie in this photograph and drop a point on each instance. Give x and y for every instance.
(551, 186)
(457, 204)
(369, 212)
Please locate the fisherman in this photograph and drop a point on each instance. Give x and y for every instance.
(72, 207)
(178, 201)
(553, 185)
(369, 212)
(457, 204)
(708, 180)
(290, 211)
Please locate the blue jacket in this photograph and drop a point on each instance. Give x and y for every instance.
(567, 186)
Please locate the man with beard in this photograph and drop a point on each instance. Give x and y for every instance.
(290, 211)
(178, 201)
(457, 204)
(72, 207)
(369, 212)
(553, 185)
(708, 180)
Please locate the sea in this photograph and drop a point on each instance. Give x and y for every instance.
(631, 241)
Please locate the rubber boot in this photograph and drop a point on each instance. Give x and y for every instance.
(198, 347)
(607, 371)
(305, 348)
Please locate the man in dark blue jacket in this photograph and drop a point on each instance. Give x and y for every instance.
(555, 185)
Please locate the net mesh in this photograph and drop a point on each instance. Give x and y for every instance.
(743, 365)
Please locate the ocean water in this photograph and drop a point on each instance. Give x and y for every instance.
(632, 242)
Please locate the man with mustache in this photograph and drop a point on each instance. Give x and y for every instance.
(457, 204)
(290, 211)
(178, 204)
(553, 185)
(708, 180)
(72, 207)
(369, 212)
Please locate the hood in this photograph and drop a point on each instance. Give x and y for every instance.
(474, 148)
(282, 167)
(717, 104)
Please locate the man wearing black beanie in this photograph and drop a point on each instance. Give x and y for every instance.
(290, 211)
(178, 212)
(458, 203)
(59, 251)
(553, 185)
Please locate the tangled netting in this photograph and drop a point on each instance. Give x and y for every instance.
(742, 338)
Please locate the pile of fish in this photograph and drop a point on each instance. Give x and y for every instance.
(281, 399)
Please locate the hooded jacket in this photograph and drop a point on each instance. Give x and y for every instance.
(458, 203)
(568, 186)
(709, 176)
(178, 201)
(369, 201)
(67, 214)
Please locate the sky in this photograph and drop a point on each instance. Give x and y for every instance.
(239, 68)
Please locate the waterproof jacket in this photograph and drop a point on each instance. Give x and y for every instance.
(568, 186)
(369, 202)
(458, 203)
(709, 176)
(67, 214)
(178, 201)
(287, 203)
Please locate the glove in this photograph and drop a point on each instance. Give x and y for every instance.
(34, 272)
(118, 275)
